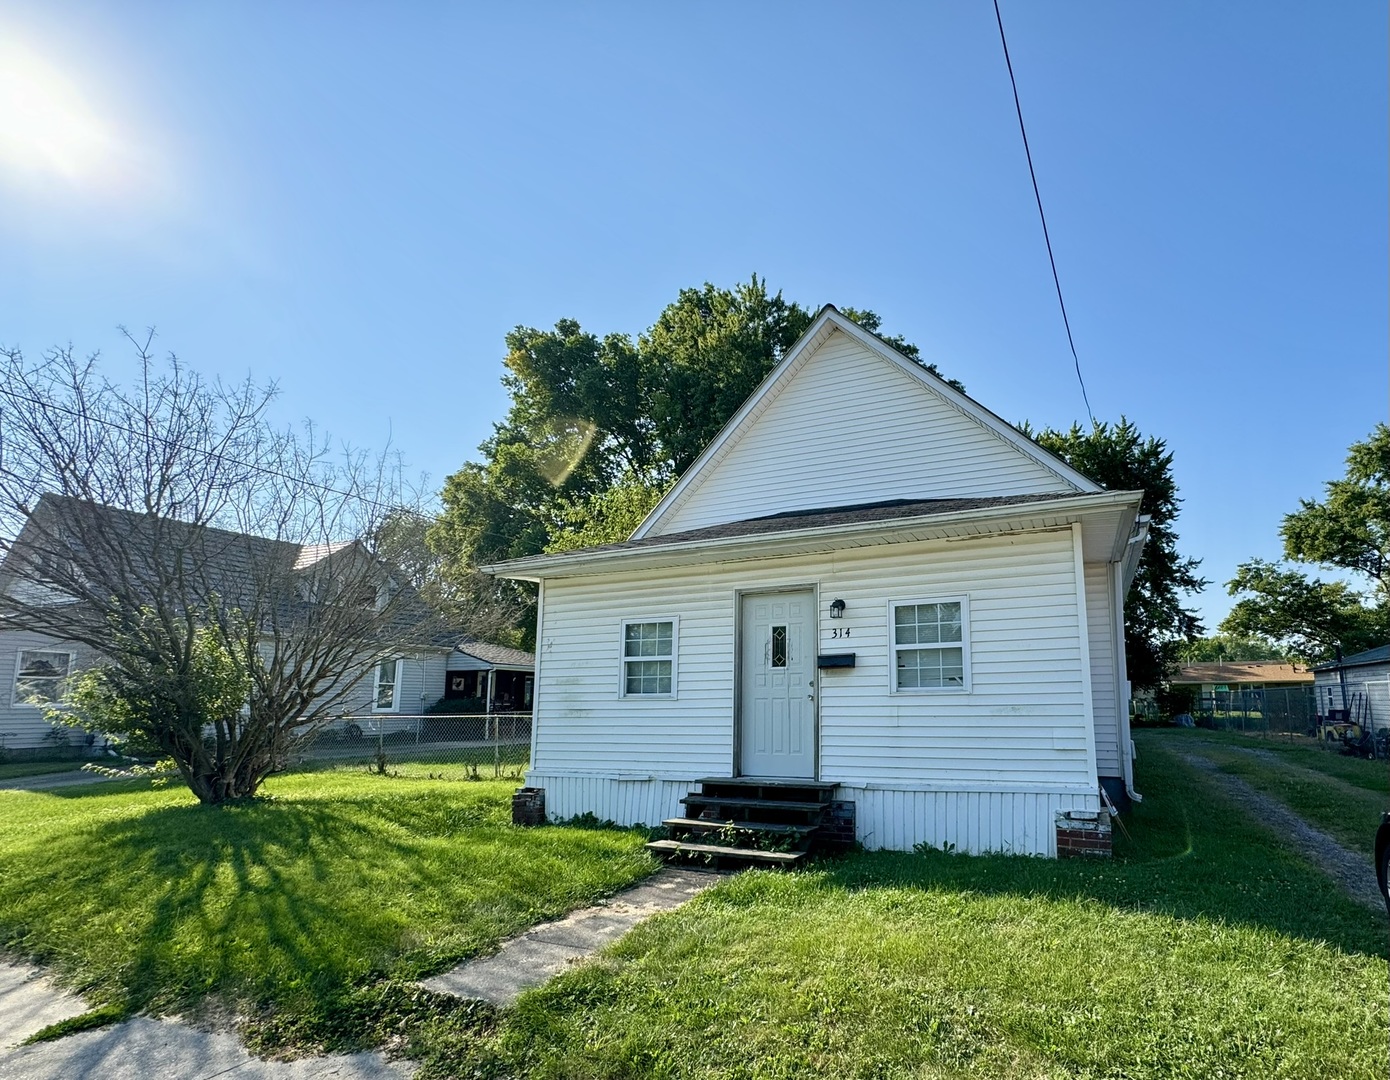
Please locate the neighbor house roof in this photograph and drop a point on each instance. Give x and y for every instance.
(496, 655)
(1241, 671)
(1379, 655)
(233, 566)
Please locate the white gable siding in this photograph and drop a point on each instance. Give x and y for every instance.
(1100, 625)
(1023, 727)
(850, 427)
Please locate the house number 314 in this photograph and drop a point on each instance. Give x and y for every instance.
(840, 631)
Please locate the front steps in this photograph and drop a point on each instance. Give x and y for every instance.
(748, 821)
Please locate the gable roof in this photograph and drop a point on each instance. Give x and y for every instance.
(234, 567)
(829, 322)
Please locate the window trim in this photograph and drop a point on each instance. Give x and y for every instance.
(395, 705)
(16, 701)
(893, 646)
(623, 658)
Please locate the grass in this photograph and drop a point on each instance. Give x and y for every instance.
(1202, 950)
(1341, 795)
(295, 908)
(16, 770)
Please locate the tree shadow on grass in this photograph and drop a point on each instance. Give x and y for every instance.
(1192, 853)
(286, 903)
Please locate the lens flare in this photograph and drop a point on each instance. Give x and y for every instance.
(565, 449)
(48, 130)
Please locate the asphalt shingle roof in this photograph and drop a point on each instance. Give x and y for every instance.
(824, 517)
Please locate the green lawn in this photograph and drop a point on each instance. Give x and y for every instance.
(1341, 795)
(294, 906)
(1203, 950)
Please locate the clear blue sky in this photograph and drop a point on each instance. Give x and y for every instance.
(361, 200)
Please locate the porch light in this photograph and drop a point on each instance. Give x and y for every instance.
(837, 609)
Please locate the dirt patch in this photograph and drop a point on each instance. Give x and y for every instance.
(1352, 871)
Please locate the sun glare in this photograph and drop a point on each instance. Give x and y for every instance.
(47, 129)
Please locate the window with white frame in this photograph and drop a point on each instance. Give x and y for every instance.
(649, 658)
(40, 675)
(930, 641)
(388, 676)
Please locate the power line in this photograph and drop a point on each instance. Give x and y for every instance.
(213, 454)
(1041, 216)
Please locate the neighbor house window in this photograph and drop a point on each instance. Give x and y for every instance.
(39, 678)
(930, 645)
(649, 658)
(388, 674)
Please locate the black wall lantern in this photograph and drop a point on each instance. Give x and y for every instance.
(837, 609)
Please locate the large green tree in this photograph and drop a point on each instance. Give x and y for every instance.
(1349, 531)
(599, 427)
(1121, 458)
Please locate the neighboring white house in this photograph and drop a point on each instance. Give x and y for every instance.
(869, 580)
(379, 696)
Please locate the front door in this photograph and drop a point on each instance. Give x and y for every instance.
(777, 713)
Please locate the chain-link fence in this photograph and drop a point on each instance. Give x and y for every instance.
(1288, 711)
(441, 747)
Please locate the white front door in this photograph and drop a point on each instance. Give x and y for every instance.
(778, 678)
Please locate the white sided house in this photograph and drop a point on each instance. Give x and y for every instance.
(867, 583)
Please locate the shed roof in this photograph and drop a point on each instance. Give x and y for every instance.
(1241, 671)
(1379, 655)
(496, 655)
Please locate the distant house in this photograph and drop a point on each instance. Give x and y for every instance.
(1359, 683)
(868, 589)
(1234, 675)
(383, 691)
(502, 679)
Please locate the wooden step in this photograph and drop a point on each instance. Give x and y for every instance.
(750, 826)
(766, 789)
(683, 847)
(753, 804)
(769, 782)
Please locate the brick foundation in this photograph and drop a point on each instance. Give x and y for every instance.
(528, 806)
(1083, 834)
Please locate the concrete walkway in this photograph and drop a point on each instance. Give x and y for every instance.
(546, 950)
(143, 1048)
(50, 781)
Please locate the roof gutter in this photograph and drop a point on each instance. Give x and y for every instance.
(536, 567)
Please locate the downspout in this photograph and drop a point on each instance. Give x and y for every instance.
(1122, 583)
(1122, 670)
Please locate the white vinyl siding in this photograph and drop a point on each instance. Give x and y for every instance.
(1368, 691)
(1024, 722)
(1100, 627)
(850, 427)
(1022, 822)
(930, 645)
